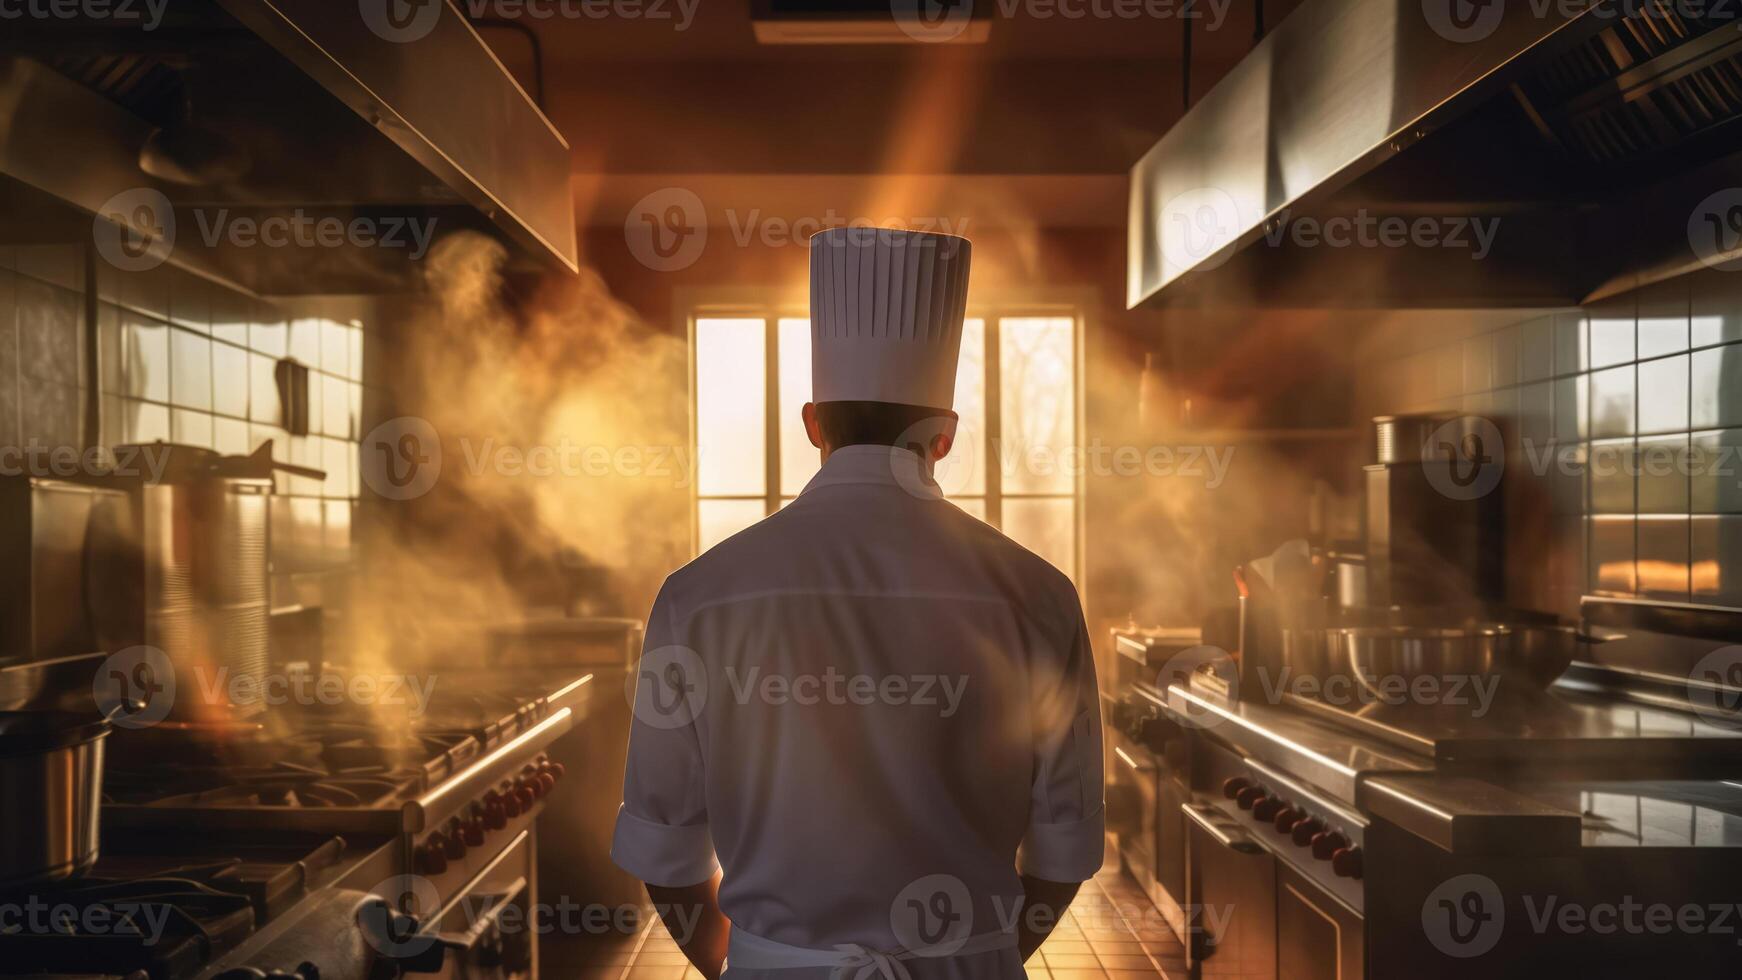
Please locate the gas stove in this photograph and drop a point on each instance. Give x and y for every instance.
(314, 842)
(1377, 839)
(162, 907)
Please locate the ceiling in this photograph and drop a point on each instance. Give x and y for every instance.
(1047, 117)
(665, 31)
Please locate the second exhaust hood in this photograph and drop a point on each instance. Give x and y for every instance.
(245, 111)
(1569, 145)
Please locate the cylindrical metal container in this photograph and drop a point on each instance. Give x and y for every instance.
(1405, 438)
(51, 788)
(206, 590)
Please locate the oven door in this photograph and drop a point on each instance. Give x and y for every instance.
(1131, 803)
(1230, 899)
(1318, 936)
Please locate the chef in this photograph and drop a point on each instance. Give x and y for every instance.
(866, 739)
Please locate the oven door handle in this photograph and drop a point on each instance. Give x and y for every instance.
(487, 920)
(1234, 840)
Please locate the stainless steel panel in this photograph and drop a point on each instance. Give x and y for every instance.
(441, 95)
(1323, 98)
(70, 569)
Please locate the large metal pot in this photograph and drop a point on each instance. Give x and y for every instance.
(51, 786)
(1382, 658)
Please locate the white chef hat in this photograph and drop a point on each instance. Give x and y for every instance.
(886, 315)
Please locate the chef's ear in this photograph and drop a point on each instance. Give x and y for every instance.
(944, 437)
(812, 428)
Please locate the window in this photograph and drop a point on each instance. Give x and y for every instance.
(1016, 392)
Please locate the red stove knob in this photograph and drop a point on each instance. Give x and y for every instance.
(1286, 819)
(546, 783)
(455, 844)
(1328, 843)
(1346, 863)
(473, 834)
(1305, 830)
(556, 769)
(495, 815)
(1267, 808)
(1249, 797)
(511, 804)
(430, 858)
(1234, 786)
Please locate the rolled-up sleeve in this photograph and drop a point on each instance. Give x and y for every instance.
(1066, 829)
(662, 834)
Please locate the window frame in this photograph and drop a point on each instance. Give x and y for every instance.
(771, 307)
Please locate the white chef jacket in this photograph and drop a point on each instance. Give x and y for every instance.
(872, 710)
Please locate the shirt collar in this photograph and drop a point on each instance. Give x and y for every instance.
(880, 465)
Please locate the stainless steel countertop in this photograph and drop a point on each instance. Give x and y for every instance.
(1487, 788)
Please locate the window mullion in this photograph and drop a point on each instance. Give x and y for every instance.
(994, 426)
(771, 413)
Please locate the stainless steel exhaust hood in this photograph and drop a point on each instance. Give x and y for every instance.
(299, 110)
(1569, 145)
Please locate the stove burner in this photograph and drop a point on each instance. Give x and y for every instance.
(287, 786)
(166, 925)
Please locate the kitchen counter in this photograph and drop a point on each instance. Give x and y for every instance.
(1578, 771)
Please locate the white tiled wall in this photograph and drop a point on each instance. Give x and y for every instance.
(1630, 387)
(183, 360)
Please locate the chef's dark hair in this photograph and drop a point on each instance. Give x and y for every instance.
(876, 423)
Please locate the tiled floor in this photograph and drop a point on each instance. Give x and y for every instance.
(1112, 932)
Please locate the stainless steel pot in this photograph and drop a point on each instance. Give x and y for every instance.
(1382, 657)
(51, 786)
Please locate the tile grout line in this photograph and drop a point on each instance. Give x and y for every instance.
(1153, 962)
